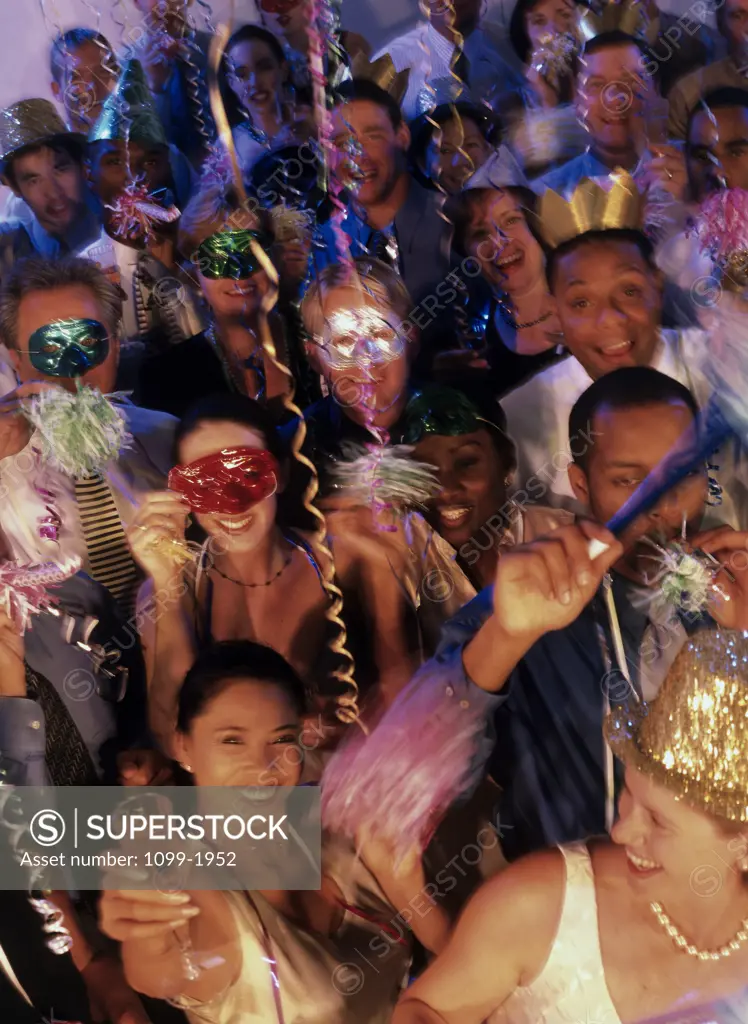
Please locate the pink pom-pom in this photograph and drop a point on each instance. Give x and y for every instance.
(722, 224)
(428, 750)
(23, 588)
(134, 212)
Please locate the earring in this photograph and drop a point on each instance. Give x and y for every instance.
(187, 767)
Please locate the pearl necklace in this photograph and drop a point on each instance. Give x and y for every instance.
(683, 944)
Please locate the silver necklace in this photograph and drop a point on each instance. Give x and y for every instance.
(741, 936)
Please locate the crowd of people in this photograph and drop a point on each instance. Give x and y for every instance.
(429, 365)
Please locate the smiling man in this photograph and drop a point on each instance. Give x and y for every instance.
(391, 217)
(610, 95)
(541, 639)
(608, 294)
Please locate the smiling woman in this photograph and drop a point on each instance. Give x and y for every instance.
(523, 333)
(259, 956)
(654, 923)
(259, 100)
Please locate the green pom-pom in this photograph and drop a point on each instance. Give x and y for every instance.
(686, 579)
(385, 476)
(80, 433)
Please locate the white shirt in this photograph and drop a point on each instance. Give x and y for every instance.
(429, 56)
(538, 421)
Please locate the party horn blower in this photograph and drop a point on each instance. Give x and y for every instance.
(726, 368)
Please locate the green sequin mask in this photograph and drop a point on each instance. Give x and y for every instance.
(439, 410)
(228, 254)
(69, 348)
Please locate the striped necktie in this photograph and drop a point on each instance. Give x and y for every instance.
(111, 563)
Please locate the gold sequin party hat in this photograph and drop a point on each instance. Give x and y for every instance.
(29, 123)
(129, 112)
(627, 16)
(592, 207)
(382, 72)
(693, 739)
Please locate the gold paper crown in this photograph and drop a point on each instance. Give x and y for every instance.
(626, 16)
(591, 207)
(693, 739)
(382, 72)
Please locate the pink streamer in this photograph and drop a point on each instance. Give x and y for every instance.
(23, 588)
(722, 224)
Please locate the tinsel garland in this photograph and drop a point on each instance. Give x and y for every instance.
(721, 228)
(23, 588)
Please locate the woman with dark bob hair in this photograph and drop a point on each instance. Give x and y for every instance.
(264, 956)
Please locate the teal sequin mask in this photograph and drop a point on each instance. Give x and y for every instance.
(68, 348)
(228, 254)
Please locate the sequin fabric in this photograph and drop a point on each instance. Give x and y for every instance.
(693, 738)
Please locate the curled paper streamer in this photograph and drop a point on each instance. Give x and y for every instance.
(134, 211)
(13, 819)
(80, 433)
(347, 710)
(60, 940)
(23, 588)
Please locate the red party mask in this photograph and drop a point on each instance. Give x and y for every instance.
(228, 482)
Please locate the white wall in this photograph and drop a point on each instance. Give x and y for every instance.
(25, 35)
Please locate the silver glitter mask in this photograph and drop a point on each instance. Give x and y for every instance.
(360, 337)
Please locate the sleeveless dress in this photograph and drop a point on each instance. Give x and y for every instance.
(571, 988)
(354, 976)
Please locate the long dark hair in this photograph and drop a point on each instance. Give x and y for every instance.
(245, 34)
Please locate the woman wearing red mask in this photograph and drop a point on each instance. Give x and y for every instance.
(259, 573)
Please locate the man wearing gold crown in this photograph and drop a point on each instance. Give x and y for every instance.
(609, 297)
(390, 217)
(652, 926)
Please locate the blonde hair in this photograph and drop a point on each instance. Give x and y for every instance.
(212, 209)
(372, 277)
(40, 274)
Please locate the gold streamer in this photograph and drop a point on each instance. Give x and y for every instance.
(458, 41)
(347, 710)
